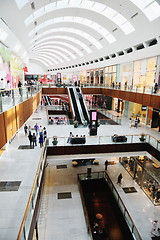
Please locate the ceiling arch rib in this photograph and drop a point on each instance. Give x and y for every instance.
(84, 21)
(53, 47)
(69, 30)
(54, 51)
(150, 8)
(97, 7)
(48, 62)
(76, 50)
(41, 61)
(49, 54)
(51, 59)
(72, 39)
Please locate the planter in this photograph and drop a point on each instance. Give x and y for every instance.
(55, 142)
(142, 139)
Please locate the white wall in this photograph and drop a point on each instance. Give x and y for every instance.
(37, 69)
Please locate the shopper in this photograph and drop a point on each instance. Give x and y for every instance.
(25, 130)
(130, 120)
(36, 127)
(155, 87)
(119, 180)
(41, 140)
(44, 133)
(136, 123)
(2, 86)
(30, 137)
(106, 164)
(69, 138)
(20, 87)
(34, 138)
(40, 131)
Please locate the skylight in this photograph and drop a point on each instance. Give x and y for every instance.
(40, 60)
(150, 8)
(21, 3)
(49, 54)
(48, 58)
(100, 8)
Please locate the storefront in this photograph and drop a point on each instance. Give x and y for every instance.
(146, 173)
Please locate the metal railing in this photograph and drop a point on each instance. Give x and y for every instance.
(126, 215)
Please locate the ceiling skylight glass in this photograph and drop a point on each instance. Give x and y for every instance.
(61, 43)
(127, 27)
(150, 8)
(42, 60)
(96, 7)
(21, 3)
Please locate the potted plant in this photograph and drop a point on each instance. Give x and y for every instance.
(142, 138)
(74, 163)
(96, 162)
(55, 141)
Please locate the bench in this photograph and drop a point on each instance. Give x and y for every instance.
(77, 140)
(116, 138)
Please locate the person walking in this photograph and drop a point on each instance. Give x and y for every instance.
(155, 87)
(40, 131)
(44, 133)
(30, 137)
(130, 120)
(25, 130)
(106, 164)
(41, 140)
(136, 123)
(20, 88)
(34, 138)
(69, 138)
(119, 180)
(36, 127)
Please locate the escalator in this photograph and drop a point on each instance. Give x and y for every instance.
(45, 100)
(74, 102)
(49, 100)
(84, 108)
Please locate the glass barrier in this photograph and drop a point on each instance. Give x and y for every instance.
(102, 174)
(28, 215)
(12, 97)
(96, 140)
(124, 87)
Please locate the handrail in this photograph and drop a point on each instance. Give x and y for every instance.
(105, 175)
(85, 211)
(43, 154)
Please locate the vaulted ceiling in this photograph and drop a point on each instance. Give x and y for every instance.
(60, 33)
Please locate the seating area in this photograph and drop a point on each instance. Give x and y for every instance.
(116, 138)
(83, 161)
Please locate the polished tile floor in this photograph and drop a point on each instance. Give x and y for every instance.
(63, 219)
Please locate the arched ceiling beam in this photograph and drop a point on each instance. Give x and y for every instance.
(49, 54)
(72, 19)
(93, 6)
(49, 51)
(60, 43)
(43, 59)
(51, 59)
(45, 48)
(83, 34)
(72, 39)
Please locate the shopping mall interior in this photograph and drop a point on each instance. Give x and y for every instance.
(80, 120)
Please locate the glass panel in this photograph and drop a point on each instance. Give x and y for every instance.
(28, 220)
(121, 206)
(128, 220)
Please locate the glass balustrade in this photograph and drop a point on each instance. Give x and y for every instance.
(10, 98)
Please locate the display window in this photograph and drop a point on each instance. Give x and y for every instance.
(146, 173)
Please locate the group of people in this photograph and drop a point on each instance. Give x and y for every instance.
(134, 122)
(39, 130)
(72, 136)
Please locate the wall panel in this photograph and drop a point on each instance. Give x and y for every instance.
(10, 123)
(2, 131)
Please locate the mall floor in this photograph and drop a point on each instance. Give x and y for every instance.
(63, 219)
